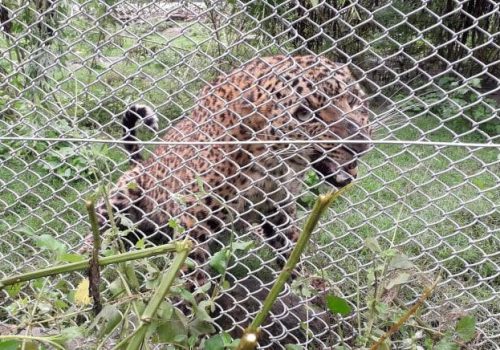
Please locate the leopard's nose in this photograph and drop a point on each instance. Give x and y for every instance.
(357, 133)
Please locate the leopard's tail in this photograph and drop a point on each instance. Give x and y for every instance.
(134, 114)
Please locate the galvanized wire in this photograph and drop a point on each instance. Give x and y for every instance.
(429, 186)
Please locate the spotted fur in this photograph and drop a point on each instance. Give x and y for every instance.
(249, 187)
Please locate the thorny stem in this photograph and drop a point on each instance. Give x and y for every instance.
(249, 338)
(94, 272)
(33, 311)
(411, 311)
(435, 334)
(377, 290)
(136, 339)
(129, 293)
(81, 265)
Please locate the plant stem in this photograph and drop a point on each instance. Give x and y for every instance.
(81, 265)
(249, 338)
(38, 339)
(427, 292)
(136, 339)
(94, 271)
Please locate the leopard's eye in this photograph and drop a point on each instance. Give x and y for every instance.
(303, 114)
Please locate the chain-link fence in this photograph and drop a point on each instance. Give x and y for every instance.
(424, 204)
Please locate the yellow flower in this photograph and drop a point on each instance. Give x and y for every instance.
(82, 293)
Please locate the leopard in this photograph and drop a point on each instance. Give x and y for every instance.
(236, 161)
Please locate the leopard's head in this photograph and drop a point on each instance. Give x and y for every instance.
(311, 109)
(341, 117)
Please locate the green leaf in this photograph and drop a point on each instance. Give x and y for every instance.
(140, 244)
(338, 305)
(174, 224)
(111, 316)
(203, 289)
(201, 310)
(293, 347)
(9, 344)
(14, 289)
(401, 278)
(165, 311)
(475, 82)
(400, 261)
(242, 245)
(446, 344)
(187, 296)
(466, 328)
(48, 242)
(219, 261)
(218, 342)
(116, 287)
(199, 327)
(372, 244)
(68, 334)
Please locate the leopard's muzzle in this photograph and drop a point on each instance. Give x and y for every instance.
(338, 175)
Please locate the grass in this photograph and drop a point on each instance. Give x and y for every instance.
(446, 199)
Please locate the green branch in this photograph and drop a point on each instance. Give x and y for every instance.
(82, 265)
(411, 311)
(249, 339)
(136, 339)
(46, 340)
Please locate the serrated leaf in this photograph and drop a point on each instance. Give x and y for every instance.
(219, 261)
(218, 342)
(50, 243)
(68, 334)
(338, 305)
(203, 289)
(372, 244)
(400, 261)
(446, 344)
(187, 296)
(475, 82)
(242, 245)
(199, 327)
(401, 278)
(466, 328)
(172, 330)
(201, 310)
(111, 316)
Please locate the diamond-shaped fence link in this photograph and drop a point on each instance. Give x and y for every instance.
(425, 202)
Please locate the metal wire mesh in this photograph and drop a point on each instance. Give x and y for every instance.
(428, 187)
